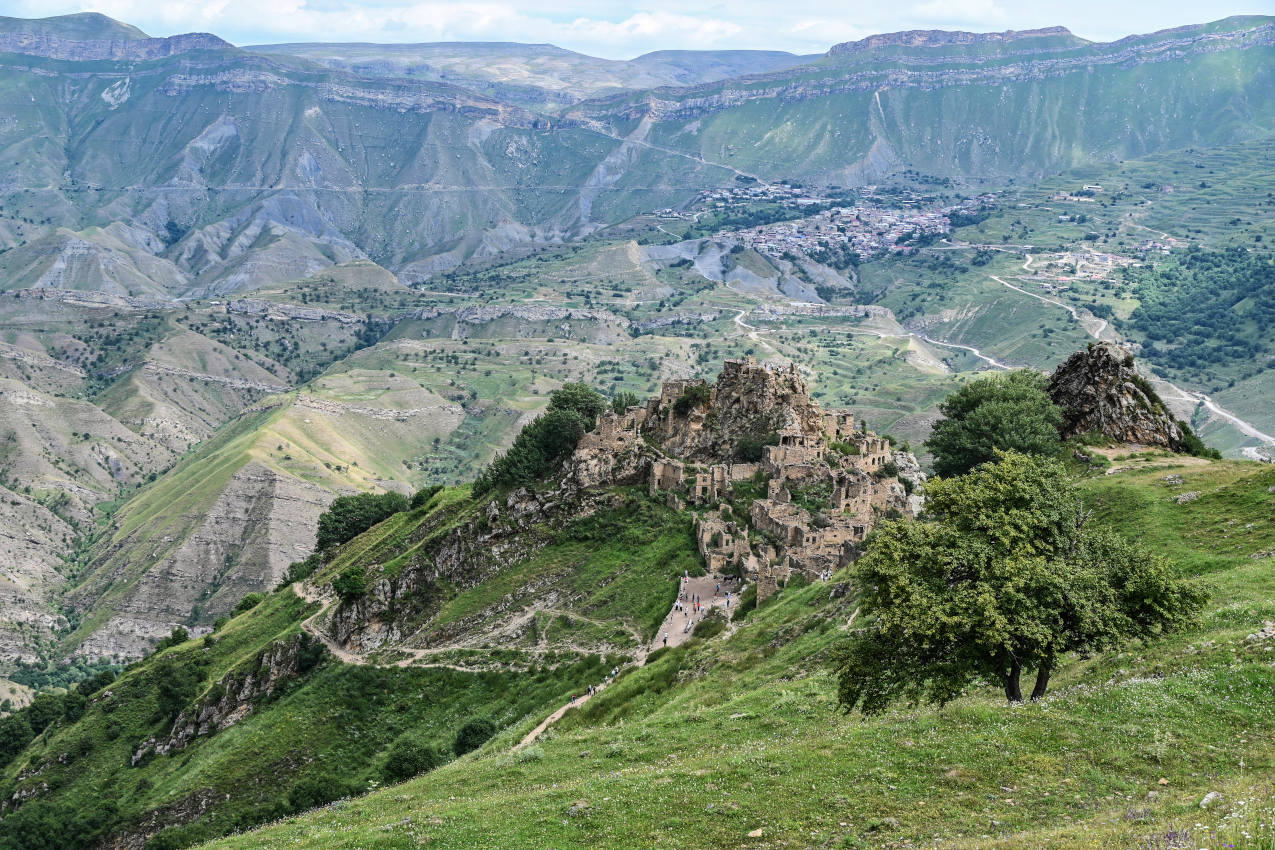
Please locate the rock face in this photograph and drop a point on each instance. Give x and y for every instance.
(1100, 391)
(746, 403)
(260, 522)
(236, 694)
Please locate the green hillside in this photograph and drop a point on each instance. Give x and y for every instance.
(706, 743)
(325, 727)
(711, 742)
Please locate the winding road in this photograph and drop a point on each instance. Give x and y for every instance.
(1095, 327)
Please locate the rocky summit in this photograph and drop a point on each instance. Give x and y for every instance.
(1100, 392)
(825, 481)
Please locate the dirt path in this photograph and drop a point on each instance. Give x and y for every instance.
(711, 590)
(576, 702)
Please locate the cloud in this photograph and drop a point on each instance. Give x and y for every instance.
(666, 26)
(983, 14)
(616, 28)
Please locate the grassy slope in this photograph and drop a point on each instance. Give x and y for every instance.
(720, 738)
(614, 566)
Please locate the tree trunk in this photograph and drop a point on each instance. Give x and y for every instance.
(1013, 690)
(1042, 678)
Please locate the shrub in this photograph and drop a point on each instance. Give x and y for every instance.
(15, 734)
(252, 600)
(349, 516)
(1193, 445)
(351, 583)
(300, 570)
(473, 735)
(696, 395)
(177, 636)
(95, 683)
(318, 789)
(175, 686)
(408, 758)
(751, 449)
(714, 623)
(422, 496)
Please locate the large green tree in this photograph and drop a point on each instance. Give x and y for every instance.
(349, 516)
(1004, 576)
(1008, 411)
(541, 447)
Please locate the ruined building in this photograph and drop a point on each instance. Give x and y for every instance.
(779, 485)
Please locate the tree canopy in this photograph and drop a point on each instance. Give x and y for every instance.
(349, 516)
(1009, 411)
(1005, 575)
(542, 446)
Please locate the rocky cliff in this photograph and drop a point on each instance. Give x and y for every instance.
(746, 404)
(1100, 391)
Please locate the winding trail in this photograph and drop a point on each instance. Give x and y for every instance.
(751, 331)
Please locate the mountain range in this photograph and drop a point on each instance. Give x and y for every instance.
(186, 167)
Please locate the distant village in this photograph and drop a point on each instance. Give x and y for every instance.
(874, 223)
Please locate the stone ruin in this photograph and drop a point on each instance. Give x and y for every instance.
(817, 484)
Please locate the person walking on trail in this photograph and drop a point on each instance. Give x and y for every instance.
(666, 638)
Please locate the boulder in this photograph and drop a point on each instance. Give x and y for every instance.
(1100, 391)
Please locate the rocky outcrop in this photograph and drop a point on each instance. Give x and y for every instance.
(746, 404)
(236, 694)
(507, 531)
(1100, 391)
(60, 38)
(945, 38)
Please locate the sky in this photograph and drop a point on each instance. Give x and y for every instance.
(622, 30)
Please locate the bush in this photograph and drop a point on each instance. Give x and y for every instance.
(300, 570)
(349, 516)
(422, 496)
(696, 395)
(408, 758)
(752, 449)
(319, 789)
(252, 600)
(95, 683)
(15, 734)
(177, 636)
(180, 837)
(714, 623)
(473, 735)
(351, 583)
(175, 686)
(747, 603)
(1193, 445)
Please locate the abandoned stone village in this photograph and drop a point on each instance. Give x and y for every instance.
(778, 485)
